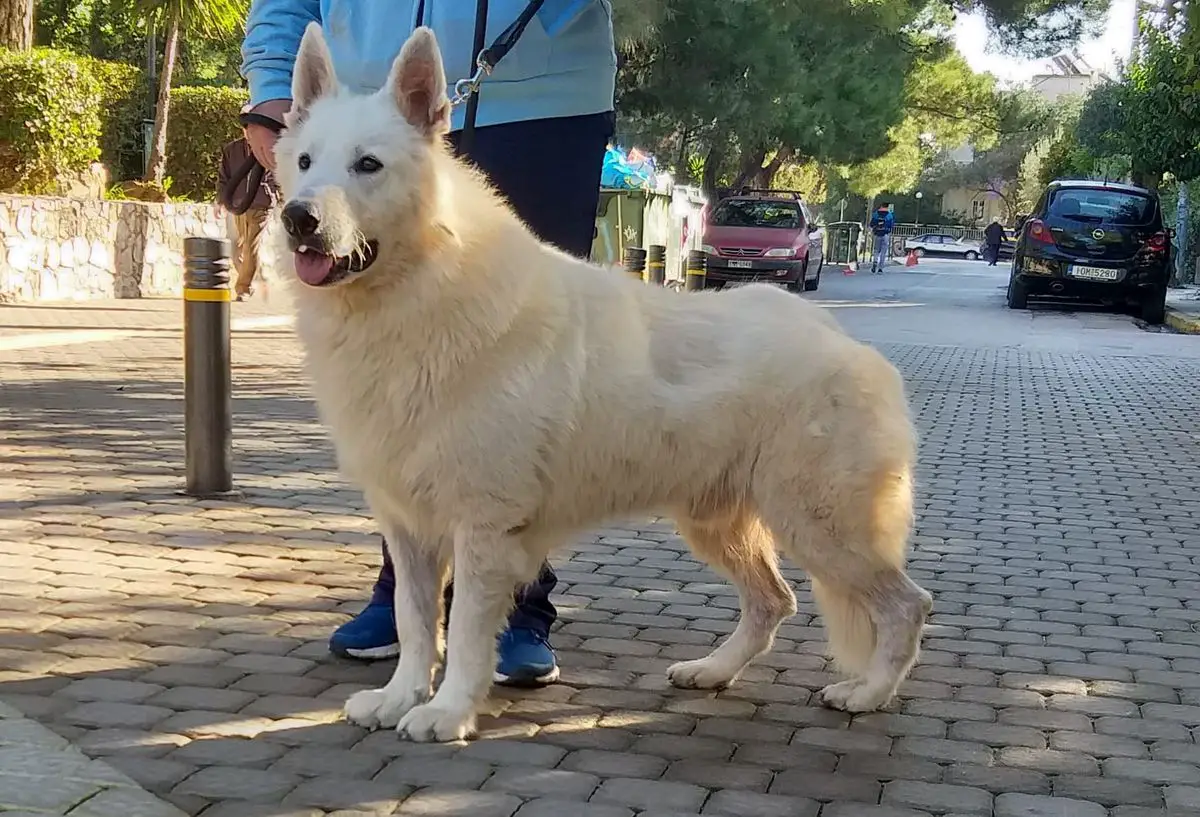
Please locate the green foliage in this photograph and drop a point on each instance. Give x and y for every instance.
(1151, 114)
(1039, 27)
(50, 120)
(946, 104)
(203, 121)
(124, 104)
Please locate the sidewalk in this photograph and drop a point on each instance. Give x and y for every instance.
(1183, 310)
(184, 642)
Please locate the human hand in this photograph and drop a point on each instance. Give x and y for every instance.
(262, 140)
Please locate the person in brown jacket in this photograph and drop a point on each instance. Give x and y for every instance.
(248, 226)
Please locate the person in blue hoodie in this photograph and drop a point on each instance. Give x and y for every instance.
(882, 224)
(544, 119)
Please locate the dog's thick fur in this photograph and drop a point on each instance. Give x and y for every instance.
(493, 395)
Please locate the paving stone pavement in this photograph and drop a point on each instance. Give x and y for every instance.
(184, 642)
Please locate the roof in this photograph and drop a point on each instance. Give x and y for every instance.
(1093, 184)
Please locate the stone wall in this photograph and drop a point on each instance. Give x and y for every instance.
(73, 249)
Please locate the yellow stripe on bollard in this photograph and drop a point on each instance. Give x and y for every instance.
(210, 295)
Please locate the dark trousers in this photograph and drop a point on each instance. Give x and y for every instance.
(993, 254)
(549, 170)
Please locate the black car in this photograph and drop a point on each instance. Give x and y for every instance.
(1098, 241)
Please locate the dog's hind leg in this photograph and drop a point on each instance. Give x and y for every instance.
(420, 577)
(742, 549)
(488, 566)
(855, 553)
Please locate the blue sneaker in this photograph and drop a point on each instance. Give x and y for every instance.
(526, 659)
(369, 636)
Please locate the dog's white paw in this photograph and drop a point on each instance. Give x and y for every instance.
(699, 674)
(855, 695)
(430, 722)
(375, 708)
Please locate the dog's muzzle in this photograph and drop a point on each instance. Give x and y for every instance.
(316, 263)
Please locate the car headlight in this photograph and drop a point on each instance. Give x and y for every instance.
(708, 248)
(779, 252)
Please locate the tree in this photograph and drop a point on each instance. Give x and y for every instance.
(190, 18)
(1151, 114)
(1023, 121)
(16, 24)
(946, 105)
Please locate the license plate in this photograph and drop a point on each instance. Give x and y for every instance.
(741, 265)
(1095, 273)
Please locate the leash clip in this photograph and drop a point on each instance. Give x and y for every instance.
(464, 88)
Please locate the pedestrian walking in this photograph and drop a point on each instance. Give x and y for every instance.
(882, 223)
(247, 226)
(547, 104)
(993, 236)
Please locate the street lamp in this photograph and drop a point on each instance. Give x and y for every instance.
(919, 196)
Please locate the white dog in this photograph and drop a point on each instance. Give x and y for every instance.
(493, 395)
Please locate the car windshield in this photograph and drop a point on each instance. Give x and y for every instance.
(1102, 206)
(755, 213)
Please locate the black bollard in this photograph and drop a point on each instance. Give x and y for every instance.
(635, 262)
(656, 265)
(697, 264)
(207, 380)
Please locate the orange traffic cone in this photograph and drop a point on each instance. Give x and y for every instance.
(911, 260)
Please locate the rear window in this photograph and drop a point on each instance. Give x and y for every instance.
(756, 213)
(1103, 206)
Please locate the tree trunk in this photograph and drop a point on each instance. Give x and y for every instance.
(16, 24)
(766, 176)
(749, 168)
(156, 170)
(712, 167)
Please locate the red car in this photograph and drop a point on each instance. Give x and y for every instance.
(763, 235)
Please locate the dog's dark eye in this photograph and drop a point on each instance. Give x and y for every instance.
(304, 162)
(368, 164)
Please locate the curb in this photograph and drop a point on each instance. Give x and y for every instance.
(1188, 324)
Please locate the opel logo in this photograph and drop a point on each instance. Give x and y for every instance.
(1097, 234)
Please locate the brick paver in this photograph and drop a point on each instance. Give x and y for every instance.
(184, 642)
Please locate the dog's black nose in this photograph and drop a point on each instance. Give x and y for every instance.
(300, 219)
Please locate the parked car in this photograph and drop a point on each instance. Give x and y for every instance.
(1099, 241)
(763, 235)
(941, 244)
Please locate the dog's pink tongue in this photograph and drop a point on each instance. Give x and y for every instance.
(313, 267)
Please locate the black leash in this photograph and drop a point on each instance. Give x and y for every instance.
(465, 90)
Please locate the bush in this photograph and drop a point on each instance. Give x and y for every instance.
(201, 122)
(125, 103)
(59, 112)
(49, 118)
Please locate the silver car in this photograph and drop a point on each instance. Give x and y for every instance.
(941, 244)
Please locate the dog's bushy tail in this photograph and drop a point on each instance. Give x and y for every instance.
(848, 622)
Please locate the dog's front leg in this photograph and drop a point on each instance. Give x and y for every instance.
(487, 567)
(420, 577)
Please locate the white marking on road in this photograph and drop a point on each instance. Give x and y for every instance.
(72, 337)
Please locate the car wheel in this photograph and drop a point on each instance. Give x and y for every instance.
(1154, 307)
(972, 255)
(811, 286)
(1018, 295)
(919, 252)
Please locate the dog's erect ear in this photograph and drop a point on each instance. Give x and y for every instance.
(313, 76)
(418, 84)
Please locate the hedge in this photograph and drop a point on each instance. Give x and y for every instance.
(200, 123)
(49, 118)
(60, 112)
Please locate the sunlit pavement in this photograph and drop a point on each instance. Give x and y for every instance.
(182, 643)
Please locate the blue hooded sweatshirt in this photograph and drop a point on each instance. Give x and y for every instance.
(563, 65)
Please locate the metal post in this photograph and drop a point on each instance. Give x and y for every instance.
(635, 262)
(697, 266)
(207, 380)
(656, 265)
